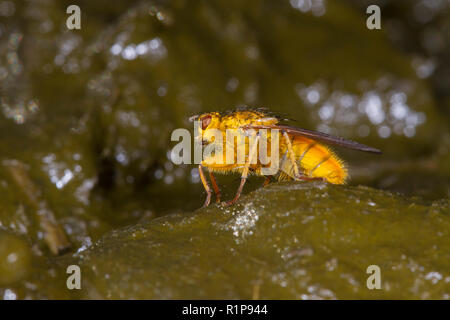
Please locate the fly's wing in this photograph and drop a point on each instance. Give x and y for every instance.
(319, 136)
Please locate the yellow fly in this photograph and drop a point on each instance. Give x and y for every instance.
(303, 154)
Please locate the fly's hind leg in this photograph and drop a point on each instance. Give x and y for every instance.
(297, 174)
(205, 185)
(244, 176)
(215, 186)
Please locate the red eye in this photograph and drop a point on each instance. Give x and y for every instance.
(205, 122)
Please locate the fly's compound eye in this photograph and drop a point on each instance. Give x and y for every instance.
(205, 122)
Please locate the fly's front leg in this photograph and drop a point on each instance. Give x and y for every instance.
(244, 176)
(205, 185)
(267, 181)
(215, 186)
(291, 155)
